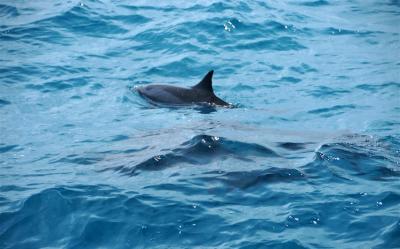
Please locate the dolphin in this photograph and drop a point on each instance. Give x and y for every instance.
(201, 93)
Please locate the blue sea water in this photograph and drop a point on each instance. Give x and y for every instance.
(309, 158)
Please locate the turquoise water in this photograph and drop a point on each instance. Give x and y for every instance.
(308, 159)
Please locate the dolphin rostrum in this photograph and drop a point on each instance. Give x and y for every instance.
(201, 93)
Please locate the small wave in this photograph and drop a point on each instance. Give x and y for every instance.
(131, 19)
(324, 91)
(202, 149)
(303, 69)
(246, 179)
(355, 33)
(293, 243)
(7, 11)
(380, 88)
(357, 157)
(332, 111)
(219, 7)
(91, 216)
(279, 44)
(171, 69)
(242, 87)
(76, 159)
(8, 75)
(59, 85)
(16, 14)
(288, 79)
(83, 20)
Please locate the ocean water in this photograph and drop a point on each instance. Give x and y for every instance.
(309, 158)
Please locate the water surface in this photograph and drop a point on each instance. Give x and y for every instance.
(309, 159)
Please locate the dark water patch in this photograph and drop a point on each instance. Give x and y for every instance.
(4, 201)
(94, 234)
(96, 86)
(270, 86)
(200, 150)
(206, 109)
(318, 3)
(7, 11)
(288, 79)
(166, 8)
(18, 74)
(372, 42)
(69, 125)
(389, 199)
(185, 187)
(391, 235)
(251, 179)
(379, 87)
(278, 244)
(217, 7)
(130, 152)
(394, 2)
(276, 67)
(259, 224)
(76, 159)
(60, 85)
(342, 77)
(324, 91)
(44, 157)
(293, 146)
(6, 188)
(6, 148)
(303, 69)
(332, 111)
(119, 138)
(4, 102)
(76, 97)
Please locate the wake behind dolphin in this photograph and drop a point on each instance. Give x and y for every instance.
(201, 93)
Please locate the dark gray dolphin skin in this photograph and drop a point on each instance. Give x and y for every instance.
(201, 93)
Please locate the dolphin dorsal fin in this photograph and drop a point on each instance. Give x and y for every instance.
(206, 82)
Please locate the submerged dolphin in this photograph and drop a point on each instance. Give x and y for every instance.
(202, 93)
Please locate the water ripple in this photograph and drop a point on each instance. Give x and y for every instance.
(202, 149)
